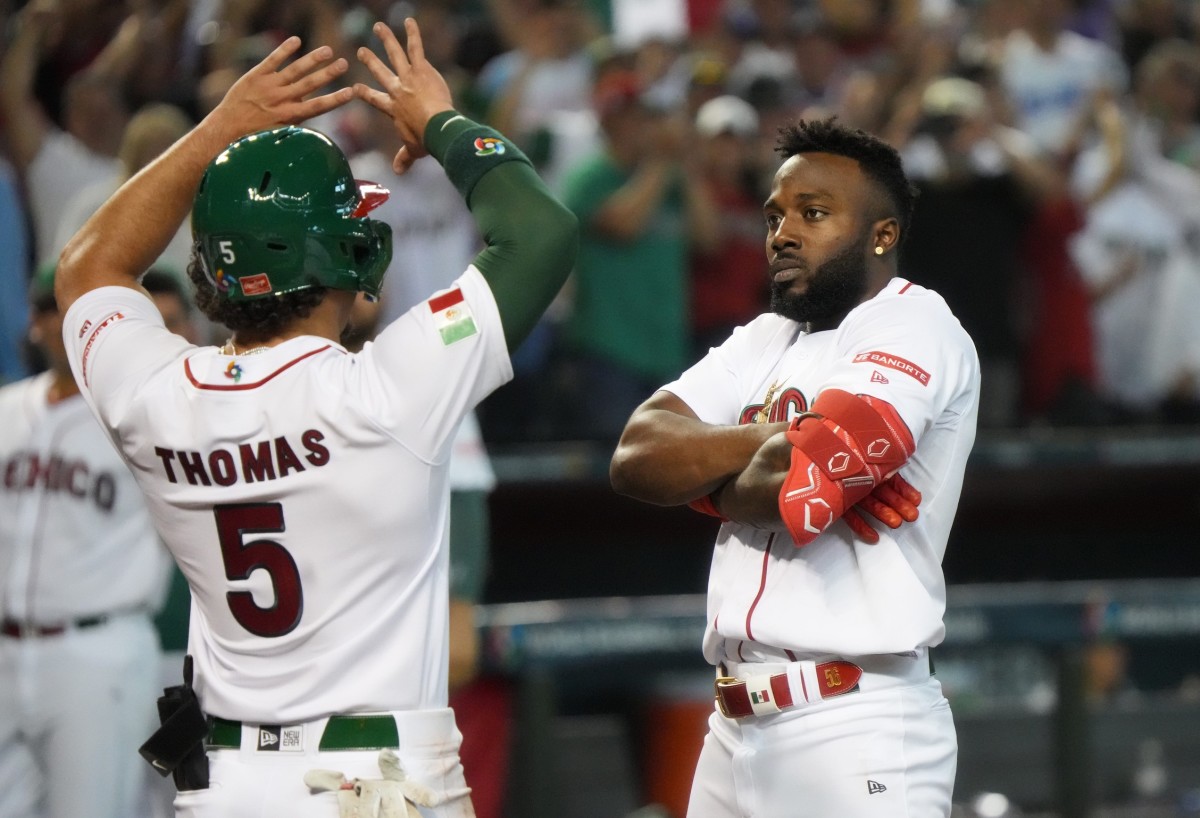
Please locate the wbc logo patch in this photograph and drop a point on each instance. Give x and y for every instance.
(489, 146)
(452, 316)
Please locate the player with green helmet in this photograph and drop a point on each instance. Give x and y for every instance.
(302, 488)
(302, 224)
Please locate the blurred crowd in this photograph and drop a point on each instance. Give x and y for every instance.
(1055, 145)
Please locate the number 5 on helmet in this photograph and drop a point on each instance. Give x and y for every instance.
(841, 450)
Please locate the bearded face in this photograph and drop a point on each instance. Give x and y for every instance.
(835, 287)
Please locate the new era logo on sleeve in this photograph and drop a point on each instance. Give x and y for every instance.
(893, 362)
(452, 316)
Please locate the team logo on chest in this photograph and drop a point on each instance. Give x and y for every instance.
(778, 405)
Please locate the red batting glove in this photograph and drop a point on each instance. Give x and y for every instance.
(892, 502)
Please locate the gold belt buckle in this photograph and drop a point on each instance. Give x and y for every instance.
(723, 680)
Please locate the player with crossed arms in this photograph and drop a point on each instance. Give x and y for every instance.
(820, 625)
(303, 489)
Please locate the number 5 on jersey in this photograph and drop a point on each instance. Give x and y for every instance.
(242, 558)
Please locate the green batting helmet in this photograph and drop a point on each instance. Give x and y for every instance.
(279, 211)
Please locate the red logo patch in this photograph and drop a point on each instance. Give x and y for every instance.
(255, 284)
(877, 377)
(893, 362)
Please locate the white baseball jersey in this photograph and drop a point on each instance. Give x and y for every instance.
(434, 238)
(839, 595)
(75, 538)
(303, 492)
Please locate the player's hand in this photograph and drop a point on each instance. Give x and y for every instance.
(413, 90)
(893, 502)
(276, 92)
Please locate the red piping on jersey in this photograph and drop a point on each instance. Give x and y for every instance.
(762, 586)
(233, 387)
(904, 288)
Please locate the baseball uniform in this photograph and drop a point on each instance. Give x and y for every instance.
(888, 749)
(81, 574)
(256, 465)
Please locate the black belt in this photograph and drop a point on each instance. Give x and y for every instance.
(16, 629)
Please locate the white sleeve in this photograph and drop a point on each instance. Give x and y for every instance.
(712, 388)
(433, 364)
(115, 339)
(910, 351)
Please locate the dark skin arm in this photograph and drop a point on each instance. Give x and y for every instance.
(667, 456)
(752, 497)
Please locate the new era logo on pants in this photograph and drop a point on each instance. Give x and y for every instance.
(874, 787)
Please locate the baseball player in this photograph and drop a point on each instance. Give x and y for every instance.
(825, 702)
(82, 573)
(302, 489)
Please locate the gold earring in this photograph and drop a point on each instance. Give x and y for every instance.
(878, 250)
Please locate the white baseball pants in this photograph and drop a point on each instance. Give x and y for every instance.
(886, 751)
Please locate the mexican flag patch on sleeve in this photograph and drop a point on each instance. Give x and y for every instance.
(452, 316)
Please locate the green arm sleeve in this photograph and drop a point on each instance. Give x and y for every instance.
(531, 237)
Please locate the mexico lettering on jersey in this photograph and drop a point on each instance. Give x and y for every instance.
(304, 493)
(837, 596)
(78, 539)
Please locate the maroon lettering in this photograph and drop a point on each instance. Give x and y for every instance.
(193, 468)
(38, 472)
(318, 455)
(10, 473)
(285, 458)
(77, 488)
(166, 456)
(104, 491)
(790, 403)
(220, 463)
(257, 464)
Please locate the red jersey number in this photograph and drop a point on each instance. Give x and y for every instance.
(243, 558)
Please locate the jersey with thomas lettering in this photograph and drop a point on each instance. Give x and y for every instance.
(75, 538)
(839, 595)
(303, 492)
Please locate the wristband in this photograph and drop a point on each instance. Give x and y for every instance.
(705, 505)
(468, 150)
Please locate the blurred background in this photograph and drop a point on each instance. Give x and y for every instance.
(1056, 146)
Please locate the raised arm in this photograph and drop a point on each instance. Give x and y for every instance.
(531, 238)
(132, 229)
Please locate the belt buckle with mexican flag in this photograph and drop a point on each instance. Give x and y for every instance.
(452, 316)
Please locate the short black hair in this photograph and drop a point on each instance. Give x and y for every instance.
(878, 160)
(254, 319)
